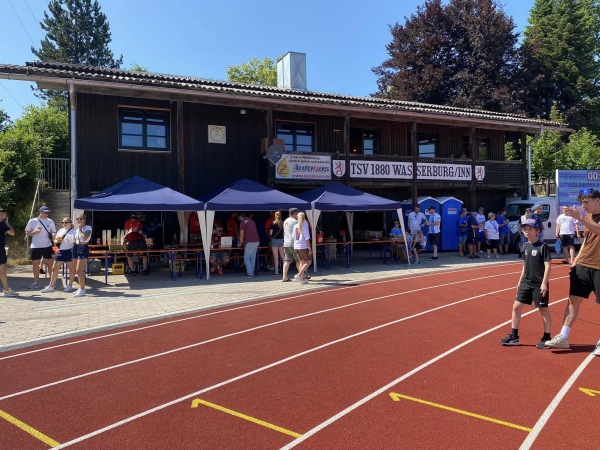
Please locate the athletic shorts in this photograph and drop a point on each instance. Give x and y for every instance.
(584, 281)
(492, 245)
(3, 258)
(472, 239)
(39, 253)
(567, 240)
(290, 255)
(138, 244)
(303, 254)
(462, 239)
(64, 255)
(434, 238)
(527, 294)
(81, 251)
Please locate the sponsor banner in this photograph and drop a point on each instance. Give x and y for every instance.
(404, 170)
(299, 166)
(570, 182)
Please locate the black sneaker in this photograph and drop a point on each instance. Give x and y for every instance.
(433, 258)
(510, 340)
(542, 344)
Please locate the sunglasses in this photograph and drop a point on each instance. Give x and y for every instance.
(79, 219)
(66, 222)
(589, 191)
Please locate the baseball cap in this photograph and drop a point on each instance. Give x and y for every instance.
(44, 209)
(530, 222)
(491, 214)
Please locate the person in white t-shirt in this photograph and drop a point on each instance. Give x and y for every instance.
(566, 230)
(492, 235)
(434, 231)
(64, 240)
(302, 246)
(41, 230)
(81, 252)
(416, 220)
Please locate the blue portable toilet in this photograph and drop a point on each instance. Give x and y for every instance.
(449, 210)
(424, 203)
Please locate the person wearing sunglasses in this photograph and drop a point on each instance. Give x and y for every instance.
(81, 252)
(64, 240)
(41, 231)
(585, 268)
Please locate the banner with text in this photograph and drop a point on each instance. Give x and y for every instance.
(303, 167)
(570, 182)
(404, 170)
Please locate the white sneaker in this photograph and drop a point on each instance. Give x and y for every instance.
(297, 278)
(76, 292)
(558, 342)
(48, 289)
(595, 352)
(79, 293)
(68, 288)
(10, 293)
(304, 281)
(497, 257)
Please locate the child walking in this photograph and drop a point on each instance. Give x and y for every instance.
(533, 284)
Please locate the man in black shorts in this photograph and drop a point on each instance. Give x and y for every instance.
(134, 240)
(585, 269)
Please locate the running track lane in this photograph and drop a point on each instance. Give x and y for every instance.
(503, 314)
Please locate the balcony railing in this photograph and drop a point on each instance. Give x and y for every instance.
(57, 173)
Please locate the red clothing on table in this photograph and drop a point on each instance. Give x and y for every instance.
(130, 224)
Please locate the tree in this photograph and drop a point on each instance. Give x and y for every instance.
(254, 71)
(561, 61)
(4, 120)
(50, 125)
(462, 54)
(77, 32)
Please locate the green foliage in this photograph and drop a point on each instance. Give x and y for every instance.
(138, 68)
(254, 71)
(511, 151)
(461, 54)
(582, 151)
(20, 163)
(77, 32)
(561, 61)
(51, 126)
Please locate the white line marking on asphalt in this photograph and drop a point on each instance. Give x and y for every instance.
(298, 355)
(248, 330)
(266, 302)
(539, 426)
(383, 389)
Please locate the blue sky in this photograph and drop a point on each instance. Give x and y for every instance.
(343, 39)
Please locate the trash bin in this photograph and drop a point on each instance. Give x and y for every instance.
(449, 210)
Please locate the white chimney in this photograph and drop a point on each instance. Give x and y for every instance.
(291, 71)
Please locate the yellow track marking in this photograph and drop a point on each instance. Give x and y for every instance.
(198, 401)
(397, 397)
(590, 392)
(23, 426)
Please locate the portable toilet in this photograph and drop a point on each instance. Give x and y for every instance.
(424, 203)
(449, 210)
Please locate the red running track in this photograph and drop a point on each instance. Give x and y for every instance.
(398, 363)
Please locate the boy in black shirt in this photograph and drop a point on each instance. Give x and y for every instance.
(533, 283)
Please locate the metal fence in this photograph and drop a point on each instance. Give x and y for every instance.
(57, 173)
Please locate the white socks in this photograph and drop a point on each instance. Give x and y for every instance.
(564, 332)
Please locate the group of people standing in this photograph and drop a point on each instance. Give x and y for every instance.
(475, 229)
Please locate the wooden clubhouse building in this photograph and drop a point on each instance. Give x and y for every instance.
(196, 135)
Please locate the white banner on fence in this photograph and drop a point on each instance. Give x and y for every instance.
(303, 167)
(404, 170)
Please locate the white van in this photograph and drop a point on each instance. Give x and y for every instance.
(516, 208)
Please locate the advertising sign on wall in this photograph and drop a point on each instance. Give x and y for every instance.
(570, 182)
(298, 166)
(404, 170)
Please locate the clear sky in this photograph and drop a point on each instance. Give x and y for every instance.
(343, 39)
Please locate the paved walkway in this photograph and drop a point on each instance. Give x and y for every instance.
(33, 317)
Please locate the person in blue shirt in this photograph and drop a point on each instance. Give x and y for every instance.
(504, 240)
(461, 232)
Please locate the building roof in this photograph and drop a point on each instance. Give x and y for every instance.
(51, 75)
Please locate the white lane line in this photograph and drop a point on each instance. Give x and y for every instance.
(248, 330)
(221, 311)
(539, 426)
(390, 385)
(290, 358)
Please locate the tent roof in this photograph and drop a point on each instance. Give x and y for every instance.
(137, 193)
(246, 195)
(339, 197)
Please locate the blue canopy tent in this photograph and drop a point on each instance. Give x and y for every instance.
(339, 197)
(137, 193)
(244, 195)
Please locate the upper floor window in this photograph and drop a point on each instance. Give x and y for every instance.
(483, 149)
(367, 142)
(141, 129)
(426, 143)
(298, 137)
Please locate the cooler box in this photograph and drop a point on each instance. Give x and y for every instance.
(94, 266)
(449, 211)
(118, 268)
